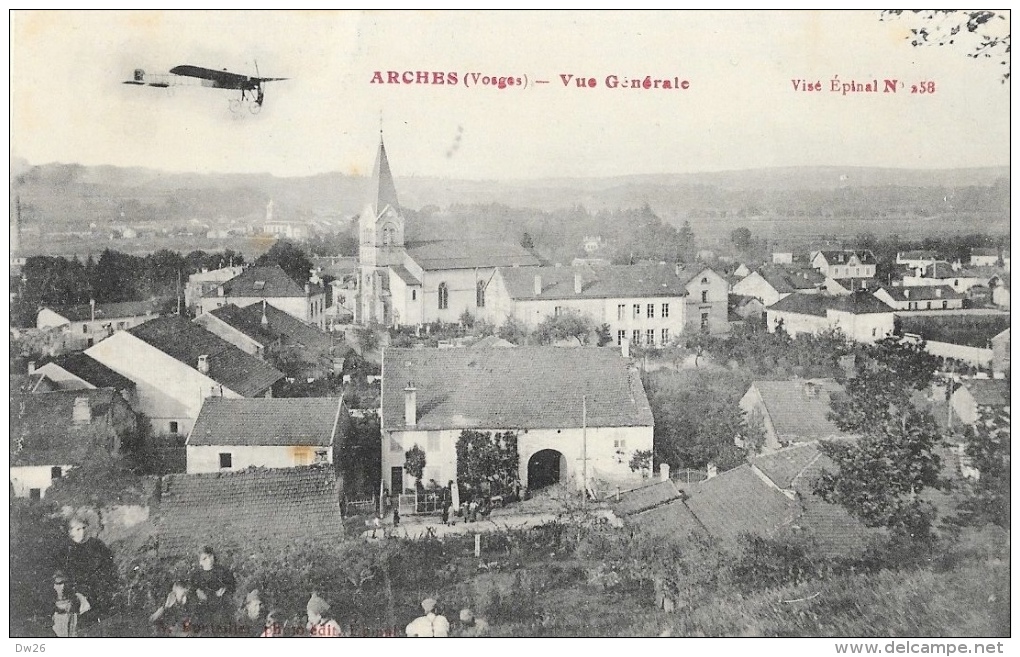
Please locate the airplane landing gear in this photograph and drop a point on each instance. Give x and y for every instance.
(235, 106)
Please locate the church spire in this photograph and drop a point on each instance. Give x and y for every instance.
(383, 191)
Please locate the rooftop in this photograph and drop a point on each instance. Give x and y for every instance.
(799, 409)
(90, 370)
(737, 502)
(469, 254)
(842, 257)
(857, 303)
(83, 312)
(787, 280)
(989, 392)
(279, 325)
(260, 422)
(922, 292)
(264, 283)
(521, 388)
(612, 282)
(185, 341)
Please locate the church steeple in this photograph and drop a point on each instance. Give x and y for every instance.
(383, 191)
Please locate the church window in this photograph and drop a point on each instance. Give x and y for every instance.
(444, 296)
(389, 234)
(480, 294)
(414, 295)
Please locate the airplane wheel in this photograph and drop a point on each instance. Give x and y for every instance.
(235, 106)
(255, 108)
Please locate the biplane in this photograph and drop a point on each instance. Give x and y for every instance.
(252, 88)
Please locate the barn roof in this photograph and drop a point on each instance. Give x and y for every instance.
(267, 422)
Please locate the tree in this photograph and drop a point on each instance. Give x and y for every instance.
(488, 458)
(641, 462)
(741, 238)
(513, 331)
(985, 33)
(360, 455)
(367, 339)
(987, 444)
(290, 257)
(565, 326)
(605, 337)
(527, 242)
(414, 463)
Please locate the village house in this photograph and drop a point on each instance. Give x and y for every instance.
(272, 508)
(943, 273)
(93, 321)
(782, 258)
(916, 259)
(234, 434)
(769, 284)
(975, 394)
(926, 297)
(201, 283)
(79, 371)
(984, 257)
(791, 412)
(53, 432)
(859, 263)
(963, 335)
(176, 364)
(647, 304)
(413, 283)
(858, 316)
(271, 284)
(562, 403)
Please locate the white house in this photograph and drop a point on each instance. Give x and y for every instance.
(859, 263)
(234, 434)
(271, 284)
(563, 404)
(92, 322)
(984, 257)
(858, 316)
(922, 297)
(916, 259)
(943, 273)
(769, 284)
(201, 283)
(176, 364)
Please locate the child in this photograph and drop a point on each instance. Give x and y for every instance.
(320, 623)
(68, 606)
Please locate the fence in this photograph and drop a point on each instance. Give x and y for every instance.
(420, 504)
(688, 476)
(361, 507)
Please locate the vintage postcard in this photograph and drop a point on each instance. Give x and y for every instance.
(511, 324)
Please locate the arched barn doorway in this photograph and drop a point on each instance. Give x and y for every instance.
(545, 468)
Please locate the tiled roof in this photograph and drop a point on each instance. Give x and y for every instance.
(185, 341)
(43, 432)
(469, 254)
(786, 280)
(944, 270)
(295, 421)
(842, 257)
(404, 274)
(799, 409)
(265, 283)
(92, 371)
(739, 501)
(989, 392)
(922, 292)
(279, 325)
(916, 255)
(234, 511)
(972, 329)
(83, 312)
(613, 282)
(644, 498)
(522, 388)
(858, 303)
(783, 466)
(672, 518)
(984, 252)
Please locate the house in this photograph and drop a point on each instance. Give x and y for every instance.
(1000, 354)
(201, 283)
(234, 434)
(268, 332)
(745, 308)
(858, 316)
(239, 511)
(943, 273)
(271, 284)
(92, 322)
(420, 282)
(916, 259)
(79, 371)
(963, 335)
(791, 412)
(975, 394)
(53, 432)
(782, 258)
(771, 283)
(175, 364)
(845, 286)
(860, 263)
(562, 403)
(646, 304)
(658, 508)
(925, 297)
(1000, 292)
(984, 257)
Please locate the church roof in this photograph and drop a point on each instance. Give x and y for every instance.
(434, 255)
(383, 192)
(614, 282)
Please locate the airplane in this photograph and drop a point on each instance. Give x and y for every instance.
(251, 88)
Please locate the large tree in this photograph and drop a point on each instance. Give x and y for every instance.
(987, 444)
(565, 326)
(483, 458)
(290, 257)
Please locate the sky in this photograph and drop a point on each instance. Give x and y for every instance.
(740, 111)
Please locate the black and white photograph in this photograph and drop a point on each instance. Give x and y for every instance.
(510, 324)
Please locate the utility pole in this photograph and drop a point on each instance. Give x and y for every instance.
(584, 449)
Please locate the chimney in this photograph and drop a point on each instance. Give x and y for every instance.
(265, 320)
(538, 285)
(31, 367)
(906, 293)
(308, 289)
(938, 292)
(410, 405)
(219, 291)
(711, 471)
(625, 348)
(957, 265)
(81, 413)
(203, 364)
(577, 283)
(664, 472)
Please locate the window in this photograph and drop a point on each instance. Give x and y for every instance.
(621, 311)
(620, 337)
(259, 285)
(636, 337)
(929, 305)
(174, 428)
(414, 295)
(650, 337)
(558, 310)
(956, 282)
(433, 441)
(651, 310)
(945, 304)
(874, 332)
(619, 444)
(665, 336)
(389, 233)
(444, 296)
(321, 456)
(704, 296)
(56, 472)
(637, 310)
(84, 328)
(34, 494)
(704, 320)
(226, 460)
(665, 310)
(480, 294)
(704, 279)
(857, 271)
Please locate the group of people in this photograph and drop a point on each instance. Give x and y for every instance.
(83, 583)
(433, 624)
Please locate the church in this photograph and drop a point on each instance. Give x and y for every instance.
(403, 283)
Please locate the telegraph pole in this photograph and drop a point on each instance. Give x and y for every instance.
(584, 449)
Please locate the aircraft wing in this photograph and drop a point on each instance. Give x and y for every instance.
(222, 79)
(271, 79)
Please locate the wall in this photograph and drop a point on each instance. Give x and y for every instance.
(206, 458)
(794, 323)
(977, 356)
(754, 285)
(166, 389)
(863, 327)
(26, 477)
(461, 285)
(405, 310)
(716, 306)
